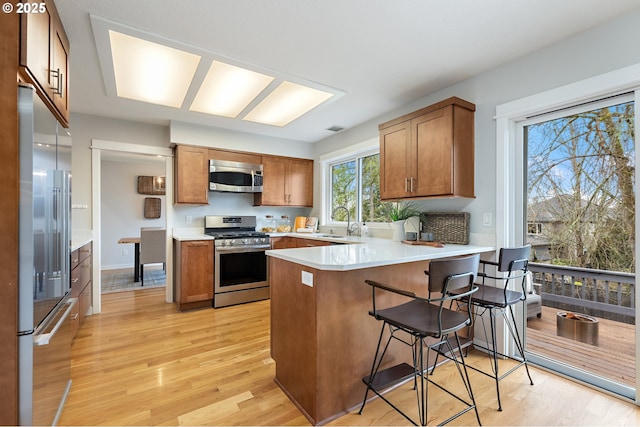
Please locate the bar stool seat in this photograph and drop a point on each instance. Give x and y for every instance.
(498, 301)
(419, 317)
(489, 296)
(412, 322)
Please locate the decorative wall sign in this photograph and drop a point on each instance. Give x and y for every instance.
(153, 185)
(152, 207)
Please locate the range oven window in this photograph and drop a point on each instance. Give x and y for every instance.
(242, 268)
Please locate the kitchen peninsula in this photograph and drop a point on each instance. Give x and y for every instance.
(322, 337)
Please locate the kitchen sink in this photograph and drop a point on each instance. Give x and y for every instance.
(333, 236)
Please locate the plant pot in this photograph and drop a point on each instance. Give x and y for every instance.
(397, 227)
(578, 327)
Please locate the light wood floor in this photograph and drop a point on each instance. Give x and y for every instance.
(140, 362)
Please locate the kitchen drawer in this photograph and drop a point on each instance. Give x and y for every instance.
(74, 319)
(80, 276)
(84, 252)
(75, 258)
(84, 303)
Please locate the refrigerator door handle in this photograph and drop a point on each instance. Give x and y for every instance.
(44, 339)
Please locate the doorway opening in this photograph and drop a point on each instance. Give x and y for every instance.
(118, 158)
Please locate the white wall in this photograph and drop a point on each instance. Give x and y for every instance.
(123, 207)
(85, 128)
(191, 134)
(605, 48)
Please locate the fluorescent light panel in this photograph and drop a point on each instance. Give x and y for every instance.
(150, 72)
(286, 103)
(227, 90)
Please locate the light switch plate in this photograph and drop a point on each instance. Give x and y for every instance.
(487, 219)
(307, 278)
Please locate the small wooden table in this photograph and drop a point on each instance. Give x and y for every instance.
(136, 255)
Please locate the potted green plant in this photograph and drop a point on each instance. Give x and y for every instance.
(399, 213)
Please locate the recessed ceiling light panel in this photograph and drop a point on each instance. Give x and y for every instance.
(286, 103)
(227, 90)
(150, 72)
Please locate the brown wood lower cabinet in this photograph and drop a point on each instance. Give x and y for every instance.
(287, 242)
(81, 269)
(194, 273)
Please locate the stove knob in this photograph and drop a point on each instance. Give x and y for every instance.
(231, 242)
(246, 241)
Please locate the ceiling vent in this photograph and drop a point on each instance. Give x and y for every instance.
(335, 128)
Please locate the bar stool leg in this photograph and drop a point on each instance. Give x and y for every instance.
(494, 353)
(518, 340)
(374, 368)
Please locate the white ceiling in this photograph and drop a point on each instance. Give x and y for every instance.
(382, 53)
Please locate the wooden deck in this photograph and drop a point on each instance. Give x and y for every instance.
(613, 358)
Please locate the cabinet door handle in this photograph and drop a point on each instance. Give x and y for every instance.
(406, 185)
(411, 184)
(57, 90)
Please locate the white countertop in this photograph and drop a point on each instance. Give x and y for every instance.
(79, 238)
(365, 252)
(355, 252)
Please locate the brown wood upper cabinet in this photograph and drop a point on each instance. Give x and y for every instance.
(234, 156)
(288, 181)
(429, 153)
(44, 57)
(191, 175)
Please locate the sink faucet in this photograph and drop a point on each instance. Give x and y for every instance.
(349, 231)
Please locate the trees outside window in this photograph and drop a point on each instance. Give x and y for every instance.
(355, 184)
(580, 184)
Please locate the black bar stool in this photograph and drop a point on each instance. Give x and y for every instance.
(499, 301)
(413, 322)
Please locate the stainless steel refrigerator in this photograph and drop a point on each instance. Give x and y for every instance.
(44, 305)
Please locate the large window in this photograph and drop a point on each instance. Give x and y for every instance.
(573, 169)
(355, 185)
(579, 169)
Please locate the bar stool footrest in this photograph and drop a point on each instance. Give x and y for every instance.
(391, 376)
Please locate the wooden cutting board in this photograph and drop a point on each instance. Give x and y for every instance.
(423, 243)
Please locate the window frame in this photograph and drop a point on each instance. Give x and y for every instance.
(356, 155)
(509, 179)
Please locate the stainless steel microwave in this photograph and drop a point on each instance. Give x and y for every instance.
(236, 177)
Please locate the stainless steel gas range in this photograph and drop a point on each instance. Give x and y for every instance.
(241, 273)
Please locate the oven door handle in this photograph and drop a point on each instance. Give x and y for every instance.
(242, 249)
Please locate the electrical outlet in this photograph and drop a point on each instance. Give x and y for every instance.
(188, 219)
(307, 278)
(125, 252)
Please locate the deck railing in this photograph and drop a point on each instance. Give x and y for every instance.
(600, 293)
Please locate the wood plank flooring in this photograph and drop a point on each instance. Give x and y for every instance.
(613, 358)
(140, 362)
